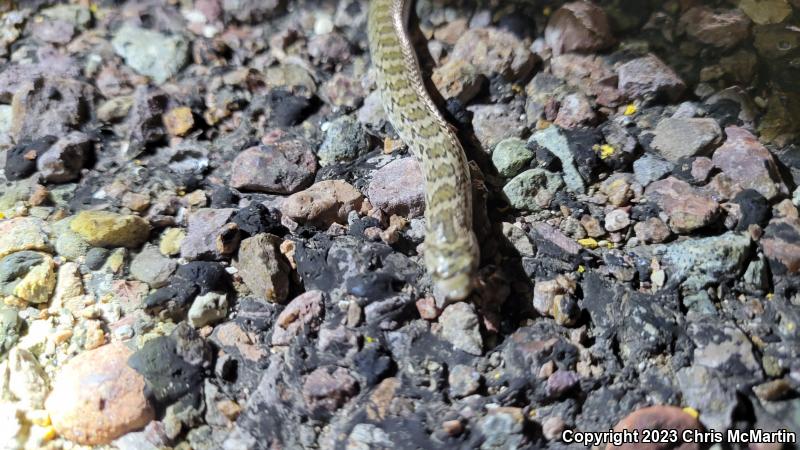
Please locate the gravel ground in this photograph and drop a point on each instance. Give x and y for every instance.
(210, 235)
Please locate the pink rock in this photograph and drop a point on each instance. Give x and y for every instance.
(97, 397)
(578, 27)
(747, 162)
(305, 311)
(720, 28)
(324, 203)
(399, 188)
(649, 77)
(687, 207)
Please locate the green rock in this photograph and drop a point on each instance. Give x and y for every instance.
(344, 141)
(156, 55)
(553, 140)
(765, 12)
(533, 189)
(510, 157)
(699, 263)
(107, 229)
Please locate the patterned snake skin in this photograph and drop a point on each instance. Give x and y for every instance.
(451, 249)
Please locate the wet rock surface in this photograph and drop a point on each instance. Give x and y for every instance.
(211, 237)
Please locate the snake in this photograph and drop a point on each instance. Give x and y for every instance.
(450, 249)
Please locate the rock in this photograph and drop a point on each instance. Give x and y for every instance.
(208, 233)
(580, 27)
(463, 381)
(53, 31)
(329, 388)
(576, 110)
(679, 138)
(617, 220)
(343, 91)
(773, 390)
(493, 123)
(765, 12)
(49, 107)
(23, 233)
(97, 397)
(699, 263)
(179, 121)
(458, 79)
(207, 309)
(399, 188)
(532, 190)
(152, 267)
(561, 382)
(9, 329)
(724, 29)
(28, 275)
(555, 298)
(368, 437)
(492, 50)
(145, 124)
(649, 168)
(648, 77)
(591, 74)
(26, 380)
(21, 159)
(303, 313)
(556, 143)
(324, 203)
(344, 141)
(282, 167)
(652, 231)
(510, 157)
(781, 243)
(753, 209)
(156, 55)
(704, 391)
(329, 49)
(552, 242)
(372, 113)
(78, 15)
(263, 268)
(251, 11)
(661, 417)
(108, 229)
(502, 428)
(460, 327)
(747, 162)
(64, 160)
(723, 346)
(688, 208)
(519, 239)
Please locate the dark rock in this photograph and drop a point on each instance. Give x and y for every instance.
(173, 366)
(256, 218)
(285, 109)
(50, 106)
(63, 161)
(144, 121)
(374, 364)
(21, 159)
(578, 27)
(781, 245)
(753, 207)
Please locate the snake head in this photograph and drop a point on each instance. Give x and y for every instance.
(452, 266)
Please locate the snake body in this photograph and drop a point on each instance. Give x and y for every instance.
(450, 250)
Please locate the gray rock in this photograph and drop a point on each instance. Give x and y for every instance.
(49, 106)
(249, 11)
(532, 190)
(553, 140)
(152, 267)
(9, 329)
(399, 188)
(151, 53)
(263, 267)
(495, 51)
(461, 327)
(519, 239)
(648, 77)
(756, 277)
(344, 141)
(366, 436)
(207, 309)
(649, 168)
(206, 226)
(493, 123)
(676, 138)
(510, 157)
(705, 392)
(696, 264)
(502, 429)
(463, 380)
(726, 348)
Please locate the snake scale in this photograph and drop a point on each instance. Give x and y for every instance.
(451, 251)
